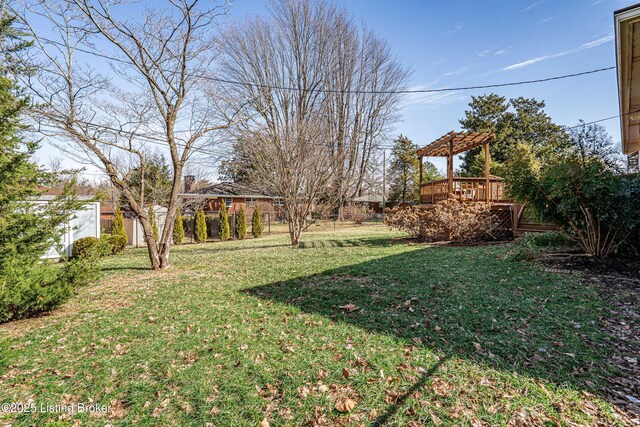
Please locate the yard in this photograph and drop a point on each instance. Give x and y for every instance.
(355, 328)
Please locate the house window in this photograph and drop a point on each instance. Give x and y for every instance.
(250, 202)
(228, 201)
(278, 202)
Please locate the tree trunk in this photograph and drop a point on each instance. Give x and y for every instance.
(340, 209)
(154, 255)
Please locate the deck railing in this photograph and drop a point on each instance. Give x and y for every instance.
(468, 189)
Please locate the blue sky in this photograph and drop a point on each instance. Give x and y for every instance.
(461, 43)
(465, 43)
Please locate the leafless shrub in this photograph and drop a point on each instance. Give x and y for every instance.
(448, 220)
(324, 211)
(357, 213)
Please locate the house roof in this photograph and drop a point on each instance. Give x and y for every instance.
(230, 189)
(369, 198)
(627, 28)
(458, 141)
(50, 191)
(104, 209)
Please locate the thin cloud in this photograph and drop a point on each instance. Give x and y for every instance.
(433, 98)
(491, 52)
(584, 46)
(457, 27)
(531, 6)
(459, 70)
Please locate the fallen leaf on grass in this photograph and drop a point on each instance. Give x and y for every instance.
(117, 409)
(348, 307)
(345, 373)
(120, 349)
(303, 391)
(190, 358)
(285, 413)
(440, 387)
(392, 397)
(160, 408)
(264, 423)
(434, 418)
(345, 405)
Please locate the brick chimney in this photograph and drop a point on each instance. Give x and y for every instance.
(189, 184)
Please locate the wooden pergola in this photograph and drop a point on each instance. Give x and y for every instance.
(455, 143)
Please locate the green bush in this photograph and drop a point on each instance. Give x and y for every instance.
(550, 239)
(240, 229)
(24, 293)
(223, 222)
(85, 247)
(521, 253)
(532, 245)
(28, 284)
(201, 226)
(256, 224)
(115, 243)
(178, 229)
(582, 193)
(118, 230)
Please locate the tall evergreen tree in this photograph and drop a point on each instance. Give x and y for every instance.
(403, 171)
(178, 230)
(201, 227)
(118, 224)
(154, 181)
(27, 228)
(154, 222)
(240, 228)
(514, 121)
(118, 233)
(223, 223)
(256, 223)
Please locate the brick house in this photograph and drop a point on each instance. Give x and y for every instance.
(234, 194)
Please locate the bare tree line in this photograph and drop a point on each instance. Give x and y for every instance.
(113, 80)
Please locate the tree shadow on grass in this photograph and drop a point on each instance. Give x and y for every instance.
(383, 418)
(218, 246)
(306, 244)
(128, 268)
(464, 302)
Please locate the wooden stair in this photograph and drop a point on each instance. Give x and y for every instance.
(528, 227)
(522, 227)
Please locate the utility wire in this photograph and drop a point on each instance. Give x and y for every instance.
(373, 92)
(410, 91)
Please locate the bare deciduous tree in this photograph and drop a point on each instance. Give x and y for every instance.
(322, 93)
(363, 81)
(115, 79)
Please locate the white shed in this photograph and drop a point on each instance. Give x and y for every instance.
(85, 222)
(136, 238)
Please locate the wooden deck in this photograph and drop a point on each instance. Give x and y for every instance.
(466, 189)
(489, 189)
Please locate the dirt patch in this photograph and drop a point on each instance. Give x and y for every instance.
(618, 284)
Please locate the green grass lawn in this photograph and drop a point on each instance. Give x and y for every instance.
(238, 332)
